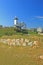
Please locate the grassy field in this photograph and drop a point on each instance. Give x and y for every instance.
(9, 31)
(21, 55)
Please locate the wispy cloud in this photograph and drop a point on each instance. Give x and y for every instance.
(40, 17)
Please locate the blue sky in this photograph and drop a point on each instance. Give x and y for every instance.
(29, 11)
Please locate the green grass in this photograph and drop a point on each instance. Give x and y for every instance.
(9, 31)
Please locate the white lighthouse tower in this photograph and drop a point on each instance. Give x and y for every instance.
(15, 21)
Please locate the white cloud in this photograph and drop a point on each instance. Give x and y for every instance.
(40, 17)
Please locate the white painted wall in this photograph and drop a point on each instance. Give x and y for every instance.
(39, 29)
(15, 22)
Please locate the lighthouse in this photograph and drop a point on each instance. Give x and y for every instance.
(15, 21)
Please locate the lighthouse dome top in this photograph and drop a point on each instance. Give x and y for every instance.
(16, 18)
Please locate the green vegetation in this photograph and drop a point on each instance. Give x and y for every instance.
(6, 31)
(9, 31)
